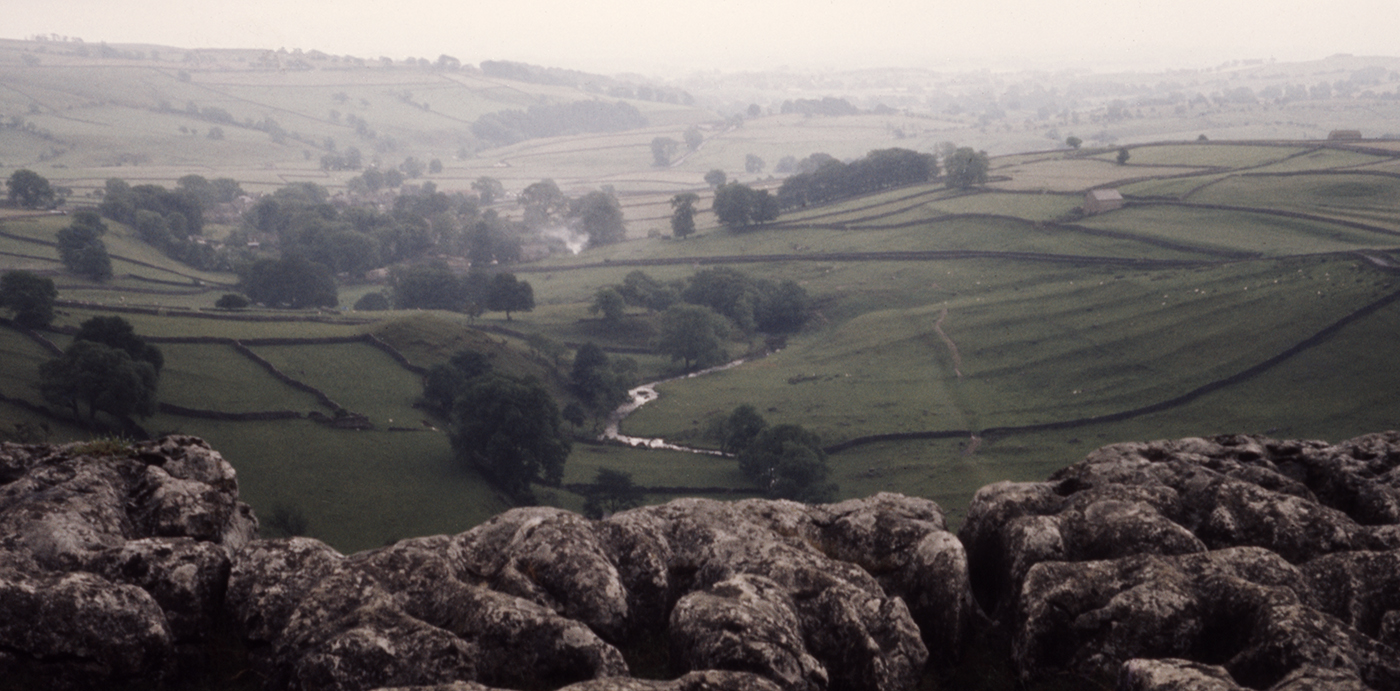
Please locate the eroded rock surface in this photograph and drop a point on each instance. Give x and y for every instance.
(1270, 562)
(114, 558)
(541, 597)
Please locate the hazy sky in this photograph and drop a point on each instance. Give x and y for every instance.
(663, 36)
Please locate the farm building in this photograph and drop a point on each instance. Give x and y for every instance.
(1344, 134)
(1099, 201)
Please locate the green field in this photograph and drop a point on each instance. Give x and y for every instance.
(1014, 350)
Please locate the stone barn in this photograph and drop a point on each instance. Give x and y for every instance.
(1099, 201)
(1344, 135)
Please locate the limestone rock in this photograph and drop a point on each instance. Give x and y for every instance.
(115, 558)
(1238, 553)
(705, 680)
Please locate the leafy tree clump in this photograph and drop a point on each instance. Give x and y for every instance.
(788, 462)
(683, 214)
(599, 216)
(294, 282)
(107, 368)
(232, 301)
(30, 190)
(966, 168)
(739, 206)
(610, 303)
(488, 189)
(716, 178)
(443, 381)
(1123, 156)
(663, 149)
(1074, 142)
(753, 164)
(373, 302)
(821, 178)
(693, 334)
(31, 297)
(600, 382)
(510, 430)
(81, 249)
(612, 491)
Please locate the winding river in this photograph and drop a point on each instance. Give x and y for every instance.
(644, 394)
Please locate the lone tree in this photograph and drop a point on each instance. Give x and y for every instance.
(1074, 142)
(30, 190)
(966, 168)
(1123, 156)
(599, 216)
(753, 164)
(510, 430)
(693, 137)
(610, 304)
(30, 296)
(715, 178)
(663, 149)
(510, 295)
(81, 249)
(683, 216)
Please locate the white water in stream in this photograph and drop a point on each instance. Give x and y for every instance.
(644, 394)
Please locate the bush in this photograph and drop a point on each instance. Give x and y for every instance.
(232, 301)
(372, 302)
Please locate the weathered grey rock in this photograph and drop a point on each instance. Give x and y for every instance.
(79, 630)
(115, 558)
(1173, 674)
(1237, 553)
(705, 680)
(747, 623)
(186, 578)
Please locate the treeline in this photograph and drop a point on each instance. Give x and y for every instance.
(170, 219)
(511, 126)
(829, 179)
(824, 106)
(751, 304)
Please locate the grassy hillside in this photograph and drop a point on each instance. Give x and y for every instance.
(989, 334)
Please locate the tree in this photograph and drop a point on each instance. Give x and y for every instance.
(715, 178)
(115, 332)
(544, 204)
(966, 168)
(434, 166)
(510, 430)
(753, 164)
(755, 110)
(611, 491)
(510, 295)
(30, 296)
(610, 303)
(294, 282)
(1074, 142)
(663, 149)
(693, 138)
(489, 189)
(81, 249)
(443, 382)
(683, 215)
(30, 190)
(598, 215)
(693, 334)
(738, 431)
(373, 302)
(740, 206)
(1123, 156)
(102, 378)
(788, 462)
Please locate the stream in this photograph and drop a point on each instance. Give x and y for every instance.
(644, 394)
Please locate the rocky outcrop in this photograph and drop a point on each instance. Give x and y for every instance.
(542, 597)
(1250, 562)
(114, 558)
(1229, 563)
